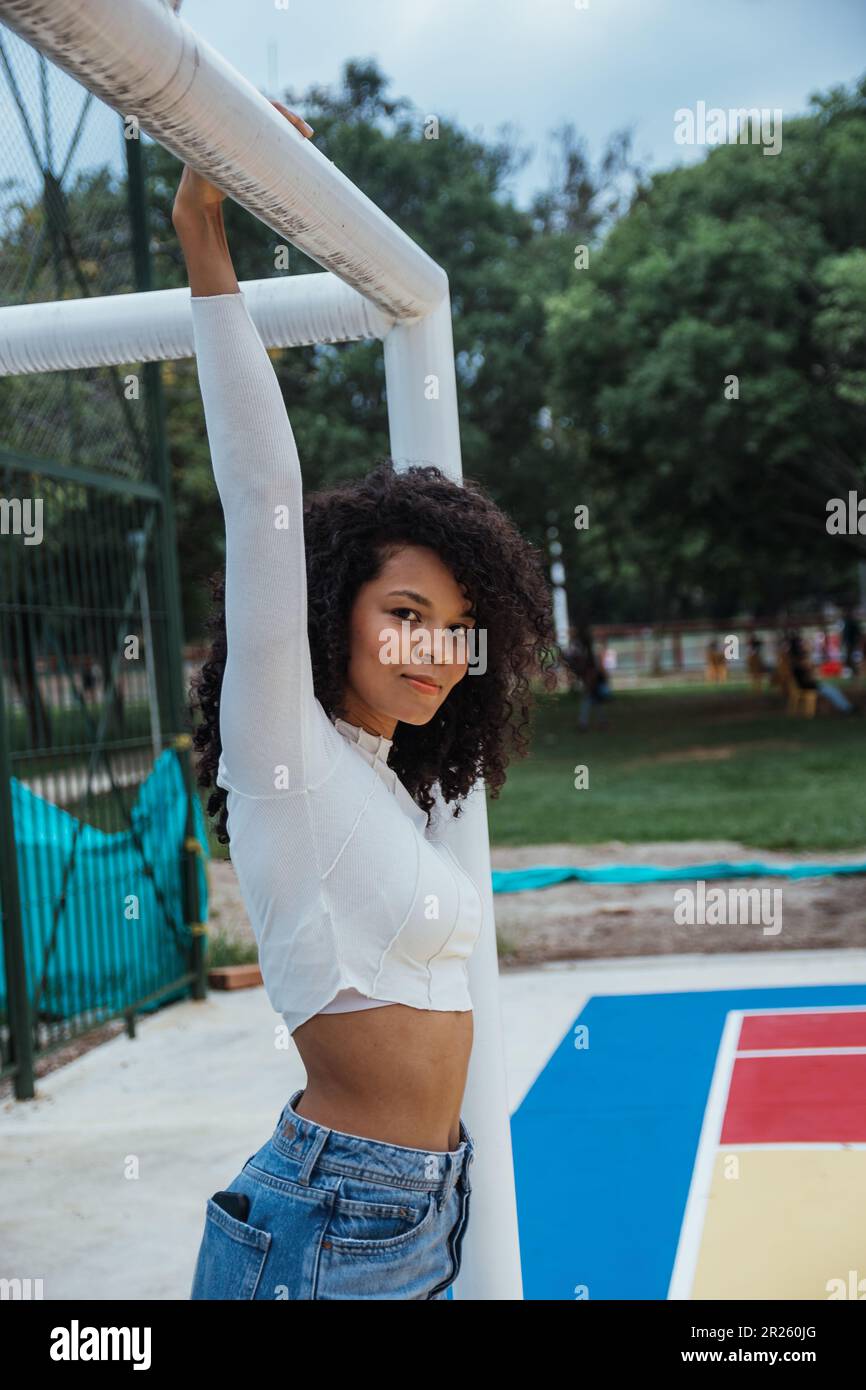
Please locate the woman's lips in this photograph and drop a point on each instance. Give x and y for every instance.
(426, 687)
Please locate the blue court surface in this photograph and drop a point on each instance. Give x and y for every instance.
(607, 1137)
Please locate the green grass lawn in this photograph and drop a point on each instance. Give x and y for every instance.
(689, 763)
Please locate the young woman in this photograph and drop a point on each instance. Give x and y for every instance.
(336, 757)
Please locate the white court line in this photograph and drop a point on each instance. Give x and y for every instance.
(804, 1052)
(786, 1144)
(685, 1262)
(807, 1009)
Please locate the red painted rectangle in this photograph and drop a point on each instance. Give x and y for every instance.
(800, 1100)
(845, 1028)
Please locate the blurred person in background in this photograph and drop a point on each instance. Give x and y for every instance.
(716, 665)
(588, 669)
(804, 675)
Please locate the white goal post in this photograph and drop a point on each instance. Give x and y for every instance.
(140, 58)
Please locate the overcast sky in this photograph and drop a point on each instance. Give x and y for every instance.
(537, 63)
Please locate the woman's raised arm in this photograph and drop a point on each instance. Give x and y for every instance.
(271, 726)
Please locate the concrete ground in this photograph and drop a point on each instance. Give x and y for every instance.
(105, 1174)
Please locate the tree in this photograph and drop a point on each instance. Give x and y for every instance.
(707, 367)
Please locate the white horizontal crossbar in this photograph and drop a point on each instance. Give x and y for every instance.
(144, 61)
(156, 326)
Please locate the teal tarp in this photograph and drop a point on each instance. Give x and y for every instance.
(519, 880)
(107, 952)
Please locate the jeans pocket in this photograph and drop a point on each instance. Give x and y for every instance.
(361, 1220)
(230, 1258)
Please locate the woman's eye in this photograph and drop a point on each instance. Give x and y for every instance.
(455, 627)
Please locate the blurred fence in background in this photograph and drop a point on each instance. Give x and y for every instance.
(678, 651)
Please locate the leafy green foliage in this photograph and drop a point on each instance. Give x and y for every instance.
(743, 266)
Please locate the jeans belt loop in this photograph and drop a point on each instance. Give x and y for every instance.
(319, 1140)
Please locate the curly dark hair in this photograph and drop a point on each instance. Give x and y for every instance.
(350, 530)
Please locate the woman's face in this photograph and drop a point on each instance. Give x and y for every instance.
(407, 642)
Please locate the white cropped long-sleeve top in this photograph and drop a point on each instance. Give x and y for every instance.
(353, 899)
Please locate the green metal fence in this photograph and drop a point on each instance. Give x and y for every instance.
(100, 912)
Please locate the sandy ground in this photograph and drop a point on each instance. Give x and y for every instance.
(579, 921)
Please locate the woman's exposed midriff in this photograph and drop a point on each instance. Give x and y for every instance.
(395, 1073)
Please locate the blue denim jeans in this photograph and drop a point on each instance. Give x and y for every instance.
(337, 1216)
